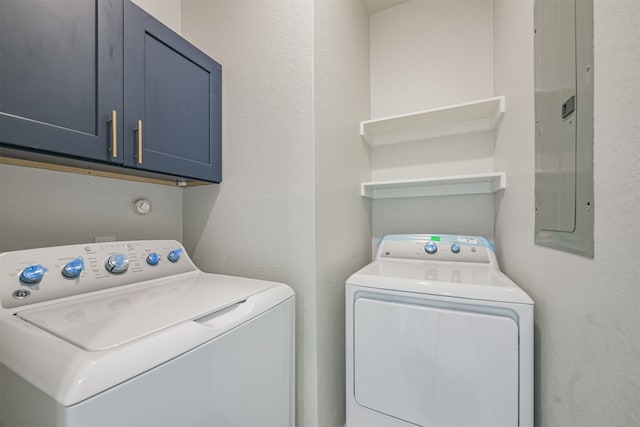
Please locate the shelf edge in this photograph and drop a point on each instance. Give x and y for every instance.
(445, 186)
(473, 123)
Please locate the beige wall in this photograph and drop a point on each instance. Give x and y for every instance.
(260, 222)
(424, 55)
(429, 54)
(169, 12)
(343, 227)
(47, 208)
(587, 310)
(295, 86)
(41, 208)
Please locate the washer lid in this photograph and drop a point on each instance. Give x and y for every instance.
(452, 279)
(115, 318)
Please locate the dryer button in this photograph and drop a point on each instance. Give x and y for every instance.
(174, 255)
(431, 248)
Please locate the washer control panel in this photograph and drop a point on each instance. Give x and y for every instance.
(441, 247)
(37, 275)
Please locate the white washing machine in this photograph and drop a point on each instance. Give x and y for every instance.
(437, 336)
(133, 334)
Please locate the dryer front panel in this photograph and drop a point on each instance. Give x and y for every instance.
(435, 366)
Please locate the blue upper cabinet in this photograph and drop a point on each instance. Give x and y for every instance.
(172, 101)
(104, 81)
(61, 77)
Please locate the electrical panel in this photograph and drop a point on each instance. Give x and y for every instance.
(563, 34)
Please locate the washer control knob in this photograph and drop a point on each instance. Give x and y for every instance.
(455, 248)
(73, 268)
(431, 248)
(33, 274)
(116, 264)
(174, 255)
(153, 259)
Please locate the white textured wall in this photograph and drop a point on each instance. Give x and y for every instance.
(428, 54)
(169, 12)
(45, 208)
(260, 222)
(587, 311)
(468, 214)
(343, 228)
(295, 86)
(431, 54)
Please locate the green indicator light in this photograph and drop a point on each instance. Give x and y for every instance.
(435, 238)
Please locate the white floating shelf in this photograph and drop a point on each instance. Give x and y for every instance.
(475, 116)
(441, 186)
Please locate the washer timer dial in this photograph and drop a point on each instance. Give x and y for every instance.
(117, 264)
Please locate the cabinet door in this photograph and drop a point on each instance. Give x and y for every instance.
(172, 90)
(61, 76)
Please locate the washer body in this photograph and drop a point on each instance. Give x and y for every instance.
(437, 337)
(158, 344)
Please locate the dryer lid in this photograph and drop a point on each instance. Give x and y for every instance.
(452, 279)
(119, 317)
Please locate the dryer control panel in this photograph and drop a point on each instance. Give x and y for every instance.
(437, 247)
(37, 275)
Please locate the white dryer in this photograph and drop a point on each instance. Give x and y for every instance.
(437, 336)
(133, 334)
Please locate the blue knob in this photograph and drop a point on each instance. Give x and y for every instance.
(153, 259)
(33, 274)
(73, 268)
(431, 248)
(455, 248)
(174, 255)
(118, 263)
